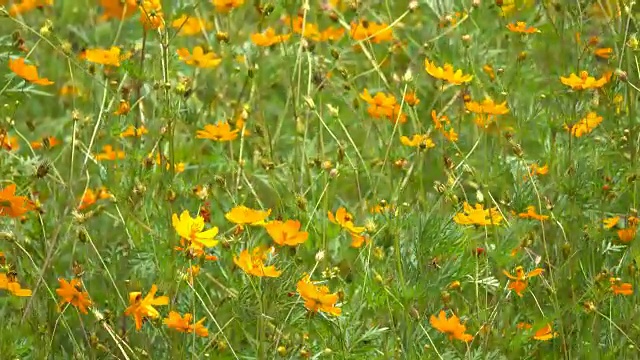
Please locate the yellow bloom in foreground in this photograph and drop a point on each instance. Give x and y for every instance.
(219, 132)
(584, 81)
(317, 297)
(417, 140)
(451, 326)
(478, 216)
(487, 106)
(191, 229)
(27, 72)
(183, 324)
(199, 58)
(545, 333)
(8, 282)
(253, 264)
(111, 56)
(286, 233)
(243, 215)
(585, 125)
(151, 14)
(447, 73)
(140, 308)
(345, 220)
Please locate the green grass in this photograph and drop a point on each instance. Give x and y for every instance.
(310, 148)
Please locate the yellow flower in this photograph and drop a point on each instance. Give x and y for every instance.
(242, 215)
(224, 6)
(317, 298)
(199, 58)
(611, 222)
(109, 154)
(520, 281)
(268, 37)
(191, 229)
(151, 14)
(253, 264)
(70, 292)
(531, 214)
(367, 30)
(345, 220)
(450, 326)
(521, 27)
(545, 333)
(111, 57)
(8, 282)
(219, 132)
(190, 25)
(132, 131)
(183, 324)
(417, 140)
(478, 216)
(584, 81)
(286, 233)
(140, 308)
(27, 72)
(585, 125)
(447, 73)
(487, 106)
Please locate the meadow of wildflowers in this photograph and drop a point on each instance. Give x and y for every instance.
(339, 179)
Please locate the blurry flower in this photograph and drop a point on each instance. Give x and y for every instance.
(509, 7)
(531, 214)
(27, 72)
(183, 324)
(383, 105)
(242, 215)
(368, 30)
(603, 53)
(117, 9)
(151, 14)
(317, 297)
(132, 131)
(446, 73)
(9, 282)
(627, 234)
(520, 281)
(478, 216)
(141, 308)
(286, 233)
(253, 264)
(487, 106)
(90, 197)
(357, 240)
(545, 333)
(611, 222)
(269, 37)
(521, 27)
(199, 58)
(534, 170)
(345, 220)
(191, 25)
(111, 57)
(585, 125)
(620, 288)
(411, 98)
(224, 6)
(190, 229)
(109, 154)
(450, 326)
(47, 142)
(7, 142)
(584, 81)
(440, 123)
(221, 131)
(418, 140)
(123, 108)
(24, 6)
(71, 292)
(11, 205)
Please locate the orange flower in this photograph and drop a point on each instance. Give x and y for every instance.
(191, 229)
(626, 235)
(90, 197)
(520, 281)
(478, 216)
(611, 222)
(531, 214)
(268, 37)
(219, 132)
(534, 169)
(47, 142)
(357, 240)
(253, 264)
(199, 58)
(451, 326)
(584, 81)
(27, 72)
(317, 297)
(141, 308)
(123, 108)
(411, 98)
(331, 34)
(151, 14)
(242, 215)
(23, 6)
(190, 25)
(487, 106)
(620, 288)
(521, 27)
(446, 73)
(345, 220)
(367, 30)
(418, 140)
(132, 131)
(11, 205)
(545, 333)
(111, 57)
(71, 293)
(183, 324)
(585, 125)
(286, 233)
(117, 9)
(438, 122)
(8, 282)
(224, 6)
(603, 53)
(7, 142)
(194, 251)
(109, 154)
(383, 105)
